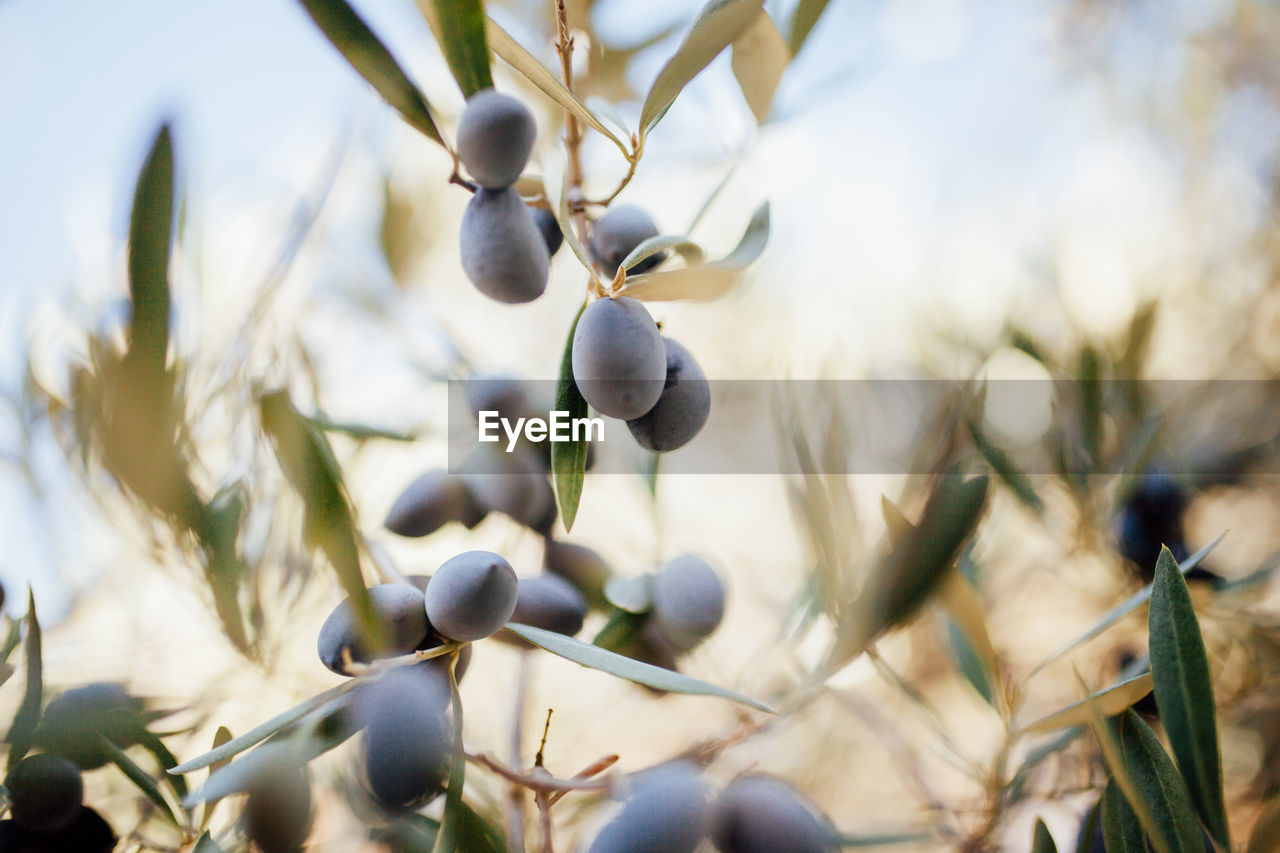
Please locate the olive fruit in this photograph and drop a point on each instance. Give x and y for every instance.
(495, 137)
(665, 812)
(549, 602)
(399, 609)
(496, 392)
(514, 484)
(617, 233)
(407, 736)
(761, 814)
(88, 833)
(46, 793)
(74, 721)
(681, 410)
(432, 501)
(619, 361)
(277, 812)
(580, 566)
(1150, 518)
(502, 250)
(688, 601)
(471, 596)
(550, 228)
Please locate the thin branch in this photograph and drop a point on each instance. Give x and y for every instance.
(538, 779)
(515, 794)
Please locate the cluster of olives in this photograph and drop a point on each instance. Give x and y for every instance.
(506, 248)
(626, 369)
(46, 789)
(670, 808)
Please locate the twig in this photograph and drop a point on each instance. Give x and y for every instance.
(515, 794)
(544, 814)
(538, 779)
(572, 138)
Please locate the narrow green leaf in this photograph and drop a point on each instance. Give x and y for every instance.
(717, 26)
(1122, 610)
(23, 730)
(355, 41)
(150, 233)
(967, 662)
(308, 464)
(514, 54)
(448, 839)
(569, 458)
(220, 738)
(1042, 841)
(1109, 702)
(594, 657)
(970, 639)
(911, 572)
(803, 20)
(260, 733)
(634, 594)
(139, 777)
(478, 835)
(760, 56)
(883, 839)
(462, 40)
(709, 281)
(152, 744)
(1009, 473)
(1120, 827)
(1184, 693)
(360, 432)
(239, 775)
(1158, 783)
(1266, 832)
(619, 631)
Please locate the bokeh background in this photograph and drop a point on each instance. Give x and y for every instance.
(947, 177)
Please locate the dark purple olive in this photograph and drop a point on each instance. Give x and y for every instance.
(401, 612)
(46, 793)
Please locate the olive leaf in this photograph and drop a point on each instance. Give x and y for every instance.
(1121, 830)
(139, 777)
(220, 738)
(460, 29)
(150, 233)
(760, 56)
(1159, 786)
(1009, 473)
(719, 24)
(708, 281)
(514, 54)
(1122, 610)
(1107, 703)
(449, 837)
(632, 595)
(360, 432)
(1042, 841)
(1090, 388)
(239, 775)
(22, 732)
(261, 732)
(308, 464)
(594, 657)
(569, 458)
(689, 250)
(1184, 693)
(913, 569)
(803, 20)
(368, 56)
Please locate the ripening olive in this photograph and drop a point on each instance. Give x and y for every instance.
(514, 484)
(665, 812)
(88, 833)
(471, 596)
(46, 793)
(761, 814)
(430, 502)
(407, 736)
(1150, 518)
(502, 250)
(615, 234)
(399, 609)
(682, 409)
(580, 566)
(550, 228)
(688, 601)
(619, 360)
(549, 602)
(277, 812)
(497, 392)
(75, 720)
(495, 137)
